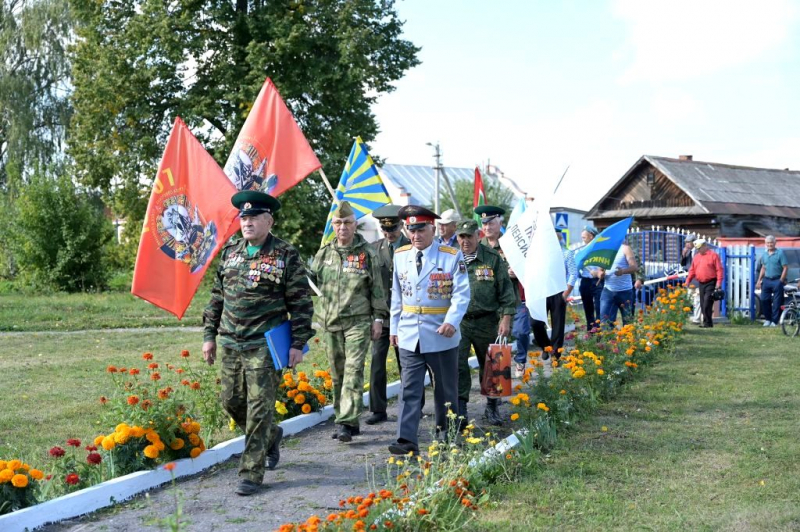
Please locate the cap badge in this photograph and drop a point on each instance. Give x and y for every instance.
(247, 205)
(412, 219)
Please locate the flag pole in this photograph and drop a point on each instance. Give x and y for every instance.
(560, 180)
(327, 183)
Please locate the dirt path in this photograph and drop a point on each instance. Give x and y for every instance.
(314, 473)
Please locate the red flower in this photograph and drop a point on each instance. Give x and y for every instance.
(112, 369)
(134, 371)
(133, 400)
(103, 399)
(147, 356)
(123, 370)
(170, 466)
(163, 394)
(156, 376)
(185, 382)
(152, 365)
(195, 385)
(94, 458)
(185, 353)
(57, 452)
(72, 479)
(179, 371)
(147, 403)
(74, 442)
(91, 448)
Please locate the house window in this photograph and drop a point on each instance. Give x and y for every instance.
(651, 179)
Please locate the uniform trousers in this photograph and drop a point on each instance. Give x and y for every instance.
(347, 352)
(249, 387)
(476, 333)
(444, 365)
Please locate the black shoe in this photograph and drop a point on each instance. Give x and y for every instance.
(545, 355)
(247, 487)
(491, 414)
(463, 415)
(346, 433)
(375, 418)
(274, 451)
(403, 448)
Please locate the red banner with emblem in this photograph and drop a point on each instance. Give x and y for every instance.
(189, 218)
(271, 154)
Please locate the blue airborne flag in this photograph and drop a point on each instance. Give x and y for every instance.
(603, 248)
(360, 184)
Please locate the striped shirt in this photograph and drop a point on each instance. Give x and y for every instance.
(618, 283)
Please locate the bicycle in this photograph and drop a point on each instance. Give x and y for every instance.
(790, 317)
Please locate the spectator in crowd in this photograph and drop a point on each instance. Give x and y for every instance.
(447, 228)
(707, 269)
(618, 294)
(687, 254)
(771, 280)
(591, 286)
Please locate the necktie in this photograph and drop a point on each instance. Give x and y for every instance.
(419, 262)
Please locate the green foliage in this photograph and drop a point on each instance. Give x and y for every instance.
(137, 65)
(34, 72)
(58, 235)
(496, 194)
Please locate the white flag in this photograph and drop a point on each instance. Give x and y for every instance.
(533, 251)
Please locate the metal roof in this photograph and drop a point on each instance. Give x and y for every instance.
(725, 183)
(419, 180)
(722, 188)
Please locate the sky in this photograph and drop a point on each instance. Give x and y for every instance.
(537, 86)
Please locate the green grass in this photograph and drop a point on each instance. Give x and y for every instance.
(106, 310)
(709, 439)
(50, 383)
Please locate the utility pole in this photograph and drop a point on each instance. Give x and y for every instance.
(437, 155)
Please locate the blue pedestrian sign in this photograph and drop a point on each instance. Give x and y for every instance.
(562, 220)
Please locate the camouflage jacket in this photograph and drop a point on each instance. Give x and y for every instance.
(491, 290)
(350, 281)
(251, 295)
(514, 282)
(386, 262)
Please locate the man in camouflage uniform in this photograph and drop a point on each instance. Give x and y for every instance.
(352, 310)
(259, 282)
(385, 248)
(491, 296)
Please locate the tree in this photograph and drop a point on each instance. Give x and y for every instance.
(58, 235)
(496, 194)
(34, 74)
(139, 64)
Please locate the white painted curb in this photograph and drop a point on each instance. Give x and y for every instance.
(121, 488)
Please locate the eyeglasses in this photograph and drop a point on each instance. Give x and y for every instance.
(339, 223)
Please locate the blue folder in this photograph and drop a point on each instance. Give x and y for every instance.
(279, 341)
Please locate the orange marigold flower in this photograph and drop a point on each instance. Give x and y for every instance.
(306, 408)
(299, 398)
(363, 513)
(170, 466)
(112, 369)
(151, 451)
(332, 517)
(322, 399)
(194, 453)
(177, 444)
(133, 400)
(36, 474)
(147, 356)
(185, 353)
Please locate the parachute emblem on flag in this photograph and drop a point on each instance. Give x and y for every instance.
(182, 233)
(246, 168)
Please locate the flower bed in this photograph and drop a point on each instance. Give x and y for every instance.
(447, 483)
(153, 415)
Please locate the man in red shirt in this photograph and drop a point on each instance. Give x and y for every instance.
(707, 269)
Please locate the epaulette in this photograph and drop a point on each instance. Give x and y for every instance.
(403, 248)
(448, 249)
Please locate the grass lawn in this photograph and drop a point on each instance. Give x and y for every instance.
(71, 312)
(50, 383)
(708, 439)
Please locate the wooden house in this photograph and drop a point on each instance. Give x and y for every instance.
(718, 200)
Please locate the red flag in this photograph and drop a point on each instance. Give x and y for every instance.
(479, 197)
(188, 218)
(271, 154)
